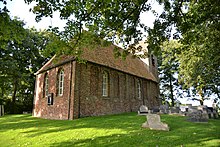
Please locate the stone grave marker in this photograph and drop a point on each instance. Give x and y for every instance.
(174, 109)
(153, 122)
(164, 109)
(143, 110)
(155, 109)
(198, 116)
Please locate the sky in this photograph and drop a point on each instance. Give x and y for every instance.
(19, 9)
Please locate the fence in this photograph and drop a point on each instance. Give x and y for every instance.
(1, 110)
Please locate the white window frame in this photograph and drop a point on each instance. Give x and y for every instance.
(46, 85)
(105, 84)
(139, 89)
(60, 82)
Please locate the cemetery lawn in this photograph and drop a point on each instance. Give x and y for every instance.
(121, 130)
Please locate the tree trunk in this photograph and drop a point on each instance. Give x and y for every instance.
(14, 96)
(201, 99)
(171, 90)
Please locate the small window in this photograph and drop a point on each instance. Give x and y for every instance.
(60, 82)
(46, 85)
(105, 84)
(139, 89)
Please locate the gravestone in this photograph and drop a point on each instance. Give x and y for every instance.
(198, 116)
(143, 110)
(164, 109)
(174, 109)
(155, 109)
(153, 122)
(192, 109)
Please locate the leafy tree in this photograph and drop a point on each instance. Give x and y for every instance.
(20, 56)
(200, 56)
(116, 21)
(168, 69)
(196, 24)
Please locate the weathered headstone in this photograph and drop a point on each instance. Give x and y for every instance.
(143, 110)
(164, 109)
(192, 109)
(155, 109)
(153, 122)
(198, 116)
(174, 109)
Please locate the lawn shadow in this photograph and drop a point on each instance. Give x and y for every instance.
(182, 132)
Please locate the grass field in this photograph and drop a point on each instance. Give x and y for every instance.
(112, 130)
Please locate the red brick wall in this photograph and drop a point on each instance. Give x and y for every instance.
(86, 92)
(124, 99)
(60, 107)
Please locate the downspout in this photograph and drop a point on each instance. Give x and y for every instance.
(71, 77)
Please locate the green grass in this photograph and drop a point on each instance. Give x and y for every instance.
(112, 130)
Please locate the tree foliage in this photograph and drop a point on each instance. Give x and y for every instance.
(197, 26)
(195, 23)
(168, 70)
(20, 56)
(115, 21)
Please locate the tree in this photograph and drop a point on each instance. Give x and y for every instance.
(197, 27)
(200, 56)
(109, 20)
(20, 56)
(168, 69)
(196, 24)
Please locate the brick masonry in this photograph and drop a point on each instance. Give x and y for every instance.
(82, 95)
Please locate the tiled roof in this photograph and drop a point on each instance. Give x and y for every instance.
(105, 56)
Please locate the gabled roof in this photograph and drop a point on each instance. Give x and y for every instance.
(105, 56)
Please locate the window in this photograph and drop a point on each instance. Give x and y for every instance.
(46, 85)
(139, 89)
(105, 84)
(60, 82)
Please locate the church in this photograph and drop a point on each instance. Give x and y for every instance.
(67, 89)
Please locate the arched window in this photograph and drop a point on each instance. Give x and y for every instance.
(139, 89)
(105, 84)
(46, 84)
(60, 82)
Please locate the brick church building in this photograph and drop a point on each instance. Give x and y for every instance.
(67, 89)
